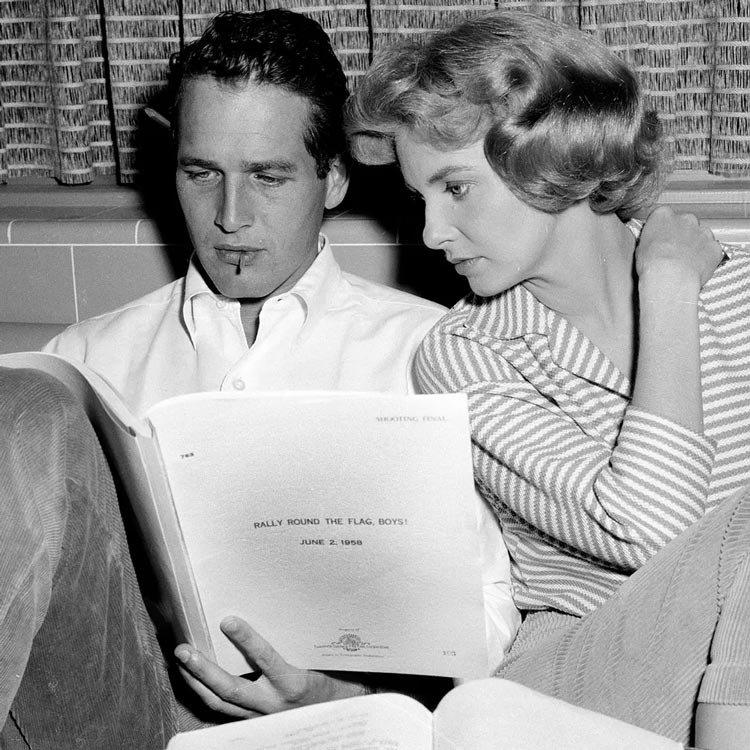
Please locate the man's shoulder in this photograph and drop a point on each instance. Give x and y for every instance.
(133, 316)
(392, 300)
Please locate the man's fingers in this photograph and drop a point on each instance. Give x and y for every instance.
(282, 685)
(216, 688)
(228, 693)
(278, 686)
(256, 649)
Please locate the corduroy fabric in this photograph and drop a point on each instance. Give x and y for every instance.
(641, 657)
(79, 659)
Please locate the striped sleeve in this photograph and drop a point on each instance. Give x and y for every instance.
(616, 503)
(656, 482)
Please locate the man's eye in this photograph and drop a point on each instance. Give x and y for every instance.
(458, 189)
(269, 179)
(203, 175)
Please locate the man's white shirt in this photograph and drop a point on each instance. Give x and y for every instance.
(331, 331)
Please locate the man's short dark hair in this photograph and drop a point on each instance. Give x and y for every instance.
(279, 48)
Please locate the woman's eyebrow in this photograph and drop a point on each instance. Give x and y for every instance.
(442, 174)
(445, 172)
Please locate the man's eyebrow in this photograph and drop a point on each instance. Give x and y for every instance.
(270, 165)
(194, 161)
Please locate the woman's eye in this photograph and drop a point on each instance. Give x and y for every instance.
(457, 189)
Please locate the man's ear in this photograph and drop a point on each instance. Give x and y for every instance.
(337, 183)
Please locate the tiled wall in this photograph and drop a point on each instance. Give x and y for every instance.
(63, 263)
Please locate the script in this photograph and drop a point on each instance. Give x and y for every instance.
(341, 526)
(486, 714)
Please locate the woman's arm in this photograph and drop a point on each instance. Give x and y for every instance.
(674, 259)
(611, 479)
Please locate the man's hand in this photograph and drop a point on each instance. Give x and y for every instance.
(278, 686)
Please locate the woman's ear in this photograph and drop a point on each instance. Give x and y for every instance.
(337, 183)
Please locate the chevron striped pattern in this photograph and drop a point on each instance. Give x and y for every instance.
(586, 487)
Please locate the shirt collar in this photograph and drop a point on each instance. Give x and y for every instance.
(318, 287)
(315, 290)
(516, 313)
(510, 315)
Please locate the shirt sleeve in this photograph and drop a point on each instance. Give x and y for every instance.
(616, 503)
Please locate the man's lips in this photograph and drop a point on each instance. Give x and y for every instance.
(236, 255)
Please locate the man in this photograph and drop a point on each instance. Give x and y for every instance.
(257, 122)
(259, 149)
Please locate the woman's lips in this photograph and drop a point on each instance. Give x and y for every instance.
(463, 265)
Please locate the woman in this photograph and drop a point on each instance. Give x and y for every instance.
(607, 375)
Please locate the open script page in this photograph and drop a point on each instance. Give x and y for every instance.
(390, 722)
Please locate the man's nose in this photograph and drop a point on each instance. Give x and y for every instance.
(236, 209)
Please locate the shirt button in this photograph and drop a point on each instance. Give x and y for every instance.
(238, 384)
(221, 304)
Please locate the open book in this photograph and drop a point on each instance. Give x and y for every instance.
(341, 526)
(488, 714)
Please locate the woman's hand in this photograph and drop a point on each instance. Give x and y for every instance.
(278, 686)
(675, 249)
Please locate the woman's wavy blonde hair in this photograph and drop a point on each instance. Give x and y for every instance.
(561, 116)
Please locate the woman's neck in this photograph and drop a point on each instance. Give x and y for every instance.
(593, 284)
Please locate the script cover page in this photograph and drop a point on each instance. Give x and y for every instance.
(343, 527)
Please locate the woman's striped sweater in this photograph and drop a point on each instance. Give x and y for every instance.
(587, 487)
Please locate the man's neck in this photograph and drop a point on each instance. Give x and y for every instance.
(250, 316)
